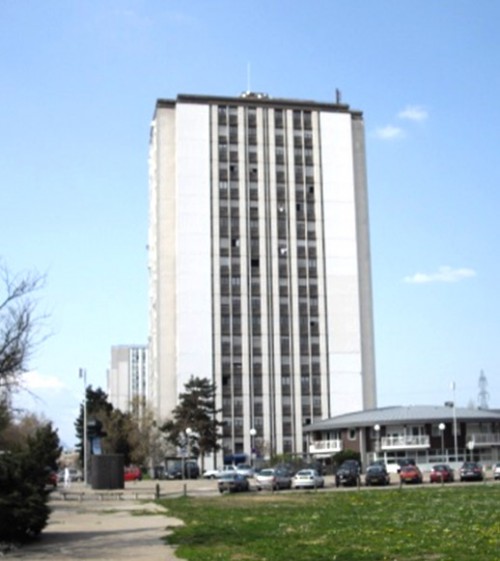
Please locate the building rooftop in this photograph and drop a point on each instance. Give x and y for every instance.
(404, 415)
(262, 99)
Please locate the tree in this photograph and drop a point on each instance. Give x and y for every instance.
(122, 431)
(195, 411)
(19, 325)
(24, 509)
(98, 408)
(29, 446)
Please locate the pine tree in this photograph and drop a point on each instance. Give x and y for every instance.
(195, 411)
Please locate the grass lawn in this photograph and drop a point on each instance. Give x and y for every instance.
(408, 524)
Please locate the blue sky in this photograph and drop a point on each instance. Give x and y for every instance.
(78, 85)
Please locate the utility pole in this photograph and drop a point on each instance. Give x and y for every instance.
(83, 374)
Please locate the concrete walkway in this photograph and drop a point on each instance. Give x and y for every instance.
(89, 525)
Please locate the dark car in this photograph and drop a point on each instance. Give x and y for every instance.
(410, 474)
(348, 474)
(376, 474)
(441, 473)
(471, 471)
(191, 471)
(233, 482)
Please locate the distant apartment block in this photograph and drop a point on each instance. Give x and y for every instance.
(128, 378)
(259, 259)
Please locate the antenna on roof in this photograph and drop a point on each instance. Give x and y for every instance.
(338, 96)
(483, 392)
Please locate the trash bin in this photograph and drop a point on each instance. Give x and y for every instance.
(107, 471)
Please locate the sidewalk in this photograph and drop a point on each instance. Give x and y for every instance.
(88, 526)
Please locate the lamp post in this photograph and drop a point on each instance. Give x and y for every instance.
(253, 432)
(455, 435)
(189, 431)
(470, 446)
(83, 374)
(441, 427)
(377, 443)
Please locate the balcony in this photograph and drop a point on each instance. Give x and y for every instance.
(483, 440)
(405, 442)
(325, 447)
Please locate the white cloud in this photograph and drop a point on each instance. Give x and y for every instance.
(35, 381)
(389, 132)
(413, 113)
(443, 274)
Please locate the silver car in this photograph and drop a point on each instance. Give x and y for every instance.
(307, 479)
(273, 479)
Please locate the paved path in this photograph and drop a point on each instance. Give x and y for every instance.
(103, 527)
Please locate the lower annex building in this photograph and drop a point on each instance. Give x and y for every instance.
(259, 262)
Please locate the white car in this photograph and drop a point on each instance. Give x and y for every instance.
(218, 473)
(496, 471)
(307, 479)
(245, 469)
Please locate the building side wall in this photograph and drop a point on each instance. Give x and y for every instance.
(368, 368)
(163, 264)
(341, 264)
(193, 305)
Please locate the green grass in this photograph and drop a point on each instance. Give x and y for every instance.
(409, 524)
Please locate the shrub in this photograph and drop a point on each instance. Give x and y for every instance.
(24, 509)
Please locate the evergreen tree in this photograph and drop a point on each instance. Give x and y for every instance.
(195, 411)
(98, 408)
(24, 509)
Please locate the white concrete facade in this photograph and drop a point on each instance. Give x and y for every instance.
(128, 378)
(259, 264)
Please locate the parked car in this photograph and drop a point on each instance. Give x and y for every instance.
(377, 474)
(471, 471)
(132, 473)
(348, 474)
(52, 479)
(219, 472)
(210, 474)
(191, 470)
(245, 469)
(233, 482)
(406, 462)
(496, 471)
(307, 479)
(270, 478)
(441, 473)
(410, 474)
(74, 475)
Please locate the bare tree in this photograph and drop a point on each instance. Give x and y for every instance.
(19, 325)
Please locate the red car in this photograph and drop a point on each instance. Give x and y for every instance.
(410, 474)
(132, 473)
(441, 473)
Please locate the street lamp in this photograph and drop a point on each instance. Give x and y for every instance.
(83, 374)
(455, 431)
(189, 431)
(253, 433)
(441, 427)
(470, 446)
(377, 444)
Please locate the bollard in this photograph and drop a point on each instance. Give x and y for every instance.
(157, 491)
(185, 490)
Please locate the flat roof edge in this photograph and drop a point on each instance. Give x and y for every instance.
(260, 100)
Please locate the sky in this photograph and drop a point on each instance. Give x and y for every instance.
(78, 85)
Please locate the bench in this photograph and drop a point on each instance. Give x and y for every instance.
(72, 494)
